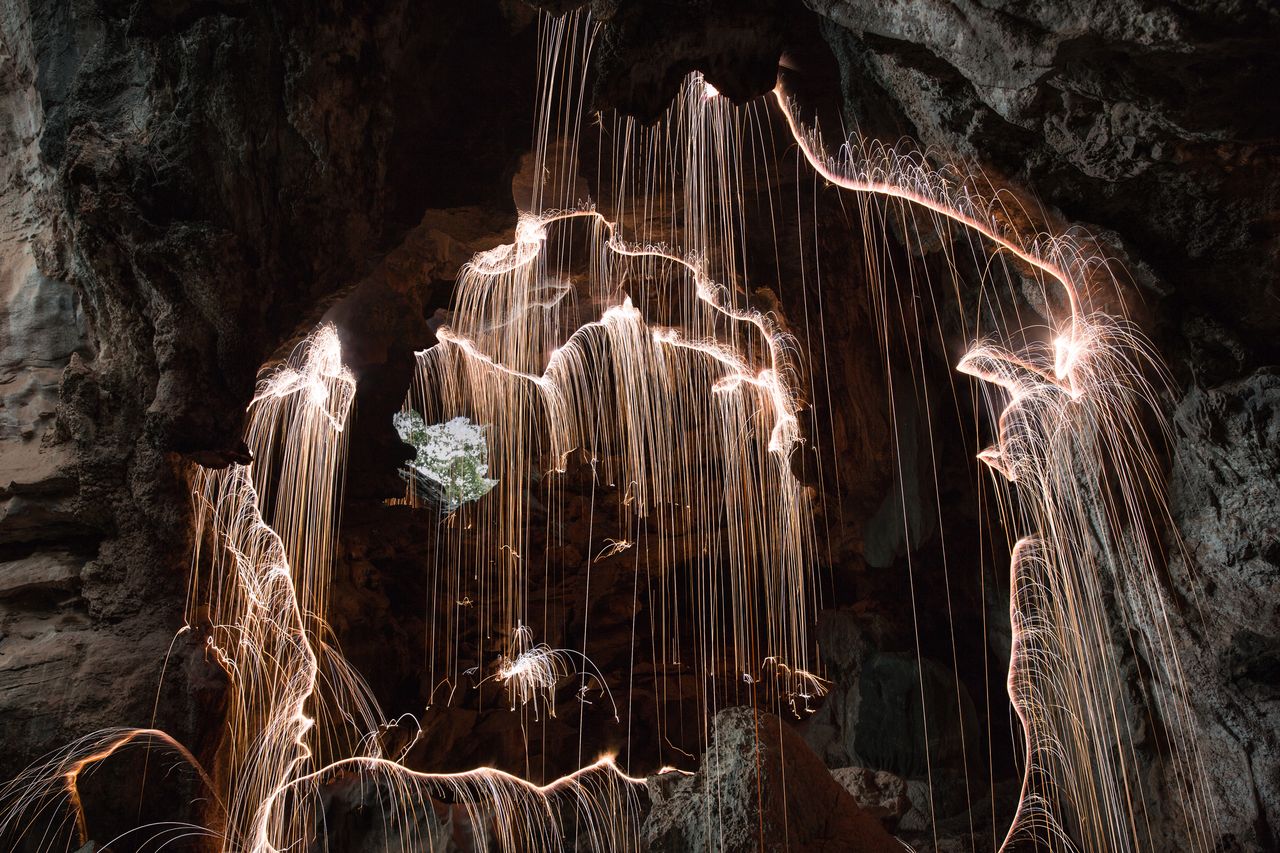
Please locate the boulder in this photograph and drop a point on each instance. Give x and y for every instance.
(760, 787)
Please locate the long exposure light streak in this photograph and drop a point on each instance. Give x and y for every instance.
(648, 365)
(283, 715)
(569, 406)
(1071, 436)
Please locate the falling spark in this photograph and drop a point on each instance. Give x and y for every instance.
(689, 398)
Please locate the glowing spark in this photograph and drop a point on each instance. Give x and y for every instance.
(692, 401)
(613, 547)
(531, 672)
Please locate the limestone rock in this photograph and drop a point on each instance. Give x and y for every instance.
(44, 570)
(880, 793)
(759, 787)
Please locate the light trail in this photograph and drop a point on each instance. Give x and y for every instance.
(533, 671)
(607, 391)
(284, 718)
(685, 403)
(1071, 437)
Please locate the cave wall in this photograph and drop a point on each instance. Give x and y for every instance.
(186, 188)
(1151, 129)
(1156, 130)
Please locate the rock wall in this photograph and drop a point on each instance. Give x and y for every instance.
(1157, 129)
(76, 649)
(759, 787)
(186, 186)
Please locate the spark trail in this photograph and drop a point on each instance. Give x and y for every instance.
(1072, 440)
(285, 716)
(592, 340)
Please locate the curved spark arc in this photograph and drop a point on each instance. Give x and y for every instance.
(53, 782)
(568, 373)
(640, 380)
(1058, 410)
(532, 672)
(785, 434)
(613, 389)
(1066, 347)
(267, 592)
(273, 783)
(512, 812)
(279, 722)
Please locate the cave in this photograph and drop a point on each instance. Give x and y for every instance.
(657, 425)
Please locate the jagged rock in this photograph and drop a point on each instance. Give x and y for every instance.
(880, 793)
(909, 809)
(873, 714)
(183, 187)
(1108, 114)
(45, 570)
(1226, 497)
(1108, 111)
(759, 787)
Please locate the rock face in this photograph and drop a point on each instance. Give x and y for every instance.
(734, 43)
(915, 736)
(880, 793)
(1109, 112)
(185, 185)
(759, 788)
(1226, 498)
(1155, 128)
(74, 650)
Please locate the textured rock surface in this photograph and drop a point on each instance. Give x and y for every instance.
(1226, 497)
(185, 185)
(880, 793)
(75, 651)
(1157, 129)
(644, 50)
(760, 788)
(1136, 121)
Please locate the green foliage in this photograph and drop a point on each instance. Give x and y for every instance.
(452, 460)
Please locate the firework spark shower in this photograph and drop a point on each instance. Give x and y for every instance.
(628, 470)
